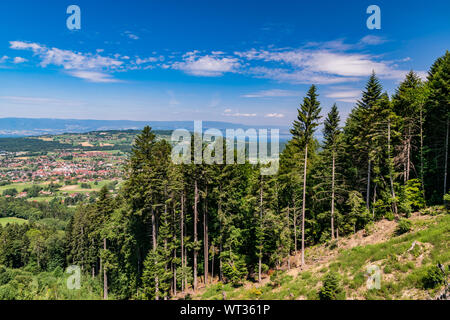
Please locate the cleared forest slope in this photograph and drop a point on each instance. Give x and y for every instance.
(406, 263)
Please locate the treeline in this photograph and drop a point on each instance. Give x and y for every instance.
(176, 227)
(37, 146)
(34, 211)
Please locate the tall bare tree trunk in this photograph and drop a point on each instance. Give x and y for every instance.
(195, 234)
(408, 156)
(182, 241)
(391, 179)
(205, 236)
(174, 266)
(105, 276)
(260, 225)
(368, 184)
(304, 205)
(155, 245)
(374, 201)
(289, 231)
(332, 196)
(295, 226)
(421, 152)
(212, 264)
(221, 236)
(446, 158)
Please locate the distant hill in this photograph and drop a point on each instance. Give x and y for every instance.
(23, 127)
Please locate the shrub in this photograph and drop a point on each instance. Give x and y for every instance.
(255, 293)
(368, 229)
(234, 269)
(276, 278)
(404, 226)
(389, 216)
(433, 277)
(331, 289)
(447, 201)
(413, 194)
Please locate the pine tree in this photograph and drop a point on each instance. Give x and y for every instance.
(436, 130)
(303, 130)
(358, 127)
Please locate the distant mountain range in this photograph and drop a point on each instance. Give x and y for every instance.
(23, 127)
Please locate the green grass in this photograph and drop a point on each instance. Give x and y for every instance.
(5, 221)
(18, 186)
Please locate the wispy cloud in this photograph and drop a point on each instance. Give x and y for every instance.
(325, 64)
(274, 115)
(372, 40)
(131, 35)
(88, 66)
(18, 60)
(271, 93)
(39, 101)
(229, 113)
(208, 65)
(93, 76)
(345, 94)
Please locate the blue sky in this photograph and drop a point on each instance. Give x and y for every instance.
(247, 62)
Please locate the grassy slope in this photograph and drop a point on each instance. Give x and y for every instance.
(402, 269)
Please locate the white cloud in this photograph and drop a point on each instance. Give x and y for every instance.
(322, 66)
(86, 66)
(207, 66)
(20, 45)
(271, 93)
(146, 60)
(3, 59)
(274, 115)
(228, 113)
(237, 114)
(296, 76)
(131, 35)
(350, 96)
(18, 60)
(372, 40)
(93, 76)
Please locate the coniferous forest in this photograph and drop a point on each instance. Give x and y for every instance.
(174, 229)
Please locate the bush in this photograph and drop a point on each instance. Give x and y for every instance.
(389, 216)
(433, 278)
(413, 194)
(331, 289)
(276, 278)
(368, 229)
(234, 269)
(10, 192)
(447, 201)
(404, 226)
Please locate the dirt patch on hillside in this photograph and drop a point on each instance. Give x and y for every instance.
(70, 188)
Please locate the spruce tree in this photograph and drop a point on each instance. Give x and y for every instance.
(303, 131)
